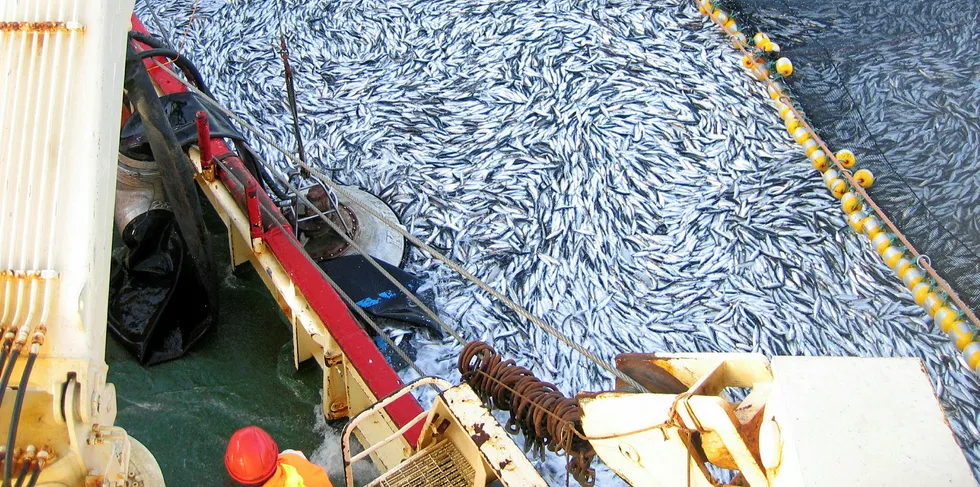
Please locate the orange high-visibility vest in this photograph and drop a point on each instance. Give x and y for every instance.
(296, 471)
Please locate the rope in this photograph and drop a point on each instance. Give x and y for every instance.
(562, 429)
(357, 247)
(156, 20)
(395, 226)
(343, 295)
(922, 262)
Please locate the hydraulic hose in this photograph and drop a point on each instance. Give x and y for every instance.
(160, 49)
(34, 476)
(7, 371)
(262, 169)
(24, 469)
(8, 466)
(42, 457)
(3, 359)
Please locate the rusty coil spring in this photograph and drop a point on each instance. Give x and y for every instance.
(538, 409)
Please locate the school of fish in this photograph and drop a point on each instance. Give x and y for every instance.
(607, 164)
(896, 83)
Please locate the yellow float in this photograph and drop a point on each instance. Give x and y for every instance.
(739, 40)
(846, 158)
(849, 202)
(856, 220)
(881, 242)
(785, 111)
(913, 277)
(829, 176)
(784, 67)
(961, 334)
(774, 91)
(933, 302)
(838, 188)
(810, 147)
(945, 317)
(891, 256)
(872, 227)
(920, 291)
(972, 354)
(820, 161)
(801, 135)
(902, 266)
(864, 178)
(792, 124)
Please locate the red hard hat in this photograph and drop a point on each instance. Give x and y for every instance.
(252, 456)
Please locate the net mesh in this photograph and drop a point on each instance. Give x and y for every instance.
(897, 83)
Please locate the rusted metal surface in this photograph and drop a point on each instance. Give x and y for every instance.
(537, 409)
(41, 27)
(254, 212)
(324, 242)
(459, 415)
(649, 374)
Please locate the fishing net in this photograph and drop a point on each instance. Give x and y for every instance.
(897, 84)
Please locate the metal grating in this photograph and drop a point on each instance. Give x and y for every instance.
(440, 465)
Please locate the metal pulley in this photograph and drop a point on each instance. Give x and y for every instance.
(347, 213)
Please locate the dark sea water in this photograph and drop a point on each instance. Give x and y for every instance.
(240, 374)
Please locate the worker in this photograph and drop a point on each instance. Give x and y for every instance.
(253, 460)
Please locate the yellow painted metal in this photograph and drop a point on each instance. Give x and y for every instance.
(368, 416)
(345, 392)
(459, 437)
(460, 415)
(806, 421)
(849, 421)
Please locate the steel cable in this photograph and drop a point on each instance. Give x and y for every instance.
(416, 241)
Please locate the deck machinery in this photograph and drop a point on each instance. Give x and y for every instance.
(694, 420)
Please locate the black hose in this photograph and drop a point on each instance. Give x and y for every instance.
(157, 52)
(248, 159)
(23, 474)
(33, 481)
(263, 170)
(3, 358)
(147, 39)
(15, 418)
(9, 369)
(246, 154)
(159, 48)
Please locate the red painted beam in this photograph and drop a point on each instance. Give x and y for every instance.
(360, 350)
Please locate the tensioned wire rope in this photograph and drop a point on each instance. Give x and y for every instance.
(513, 306)
(569, 428)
